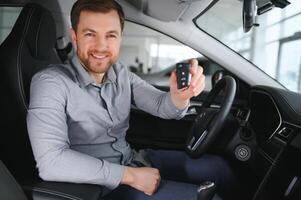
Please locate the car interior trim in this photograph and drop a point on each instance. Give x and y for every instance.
(276, 107)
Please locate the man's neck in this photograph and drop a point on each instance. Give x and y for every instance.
(98, 77)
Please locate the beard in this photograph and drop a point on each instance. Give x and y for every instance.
(93, 65)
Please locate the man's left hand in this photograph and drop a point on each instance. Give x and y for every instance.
(181, 97)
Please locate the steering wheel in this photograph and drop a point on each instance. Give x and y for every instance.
(209, 121)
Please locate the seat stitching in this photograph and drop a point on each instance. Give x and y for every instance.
(37, 38)
(19, 70)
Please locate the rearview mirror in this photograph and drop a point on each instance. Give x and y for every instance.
(249, 11)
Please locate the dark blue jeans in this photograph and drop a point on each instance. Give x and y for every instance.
(181, 176)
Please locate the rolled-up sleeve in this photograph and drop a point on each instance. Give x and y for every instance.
(152, 100)
(48, 132)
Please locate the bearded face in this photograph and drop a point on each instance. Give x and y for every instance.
(97, 40)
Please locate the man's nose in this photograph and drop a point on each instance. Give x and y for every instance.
(102, 43)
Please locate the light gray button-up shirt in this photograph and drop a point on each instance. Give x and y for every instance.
(77, 128)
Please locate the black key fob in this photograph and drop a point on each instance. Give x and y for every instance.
(183, 75)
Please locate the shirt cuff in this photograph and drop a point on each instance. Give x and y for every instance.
(115, 175)
(180, 113)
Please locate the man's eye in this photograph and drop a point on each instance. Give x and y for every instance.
(89, 34)
(112, 36)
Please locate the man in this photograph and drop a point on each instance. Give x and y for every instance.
(79, 114)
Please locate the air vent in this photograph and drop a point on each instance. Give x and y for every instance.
(285, 132)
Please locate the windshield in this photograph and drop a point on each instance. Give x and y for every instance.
(274, 46)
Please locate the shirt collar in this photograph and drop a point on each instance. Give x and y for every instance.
(84, 77)
(112, 75)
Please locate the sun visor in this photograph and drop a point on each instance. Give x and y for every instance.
(167, 10)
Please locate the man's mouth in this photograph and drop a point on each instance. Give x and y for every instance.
(98, 56)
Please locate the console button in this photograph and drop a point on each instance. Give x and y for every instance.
(242, 152)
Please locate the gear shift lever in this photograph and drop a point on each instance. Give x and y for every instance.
(206, 190)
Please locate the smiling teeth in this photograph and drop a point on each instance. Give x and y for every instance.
(99, 57)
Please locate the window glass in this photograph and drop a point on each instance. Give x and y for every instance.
(272, 33)
(292, 26)
(8, 17)
(273, 46)
(290, 11)
(271, 50)
(274, 17)
(150, 51)
(289, 64)
(153, 56)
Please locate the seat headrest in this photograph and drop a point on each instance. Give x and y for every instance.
(29, 47)
(36, 27)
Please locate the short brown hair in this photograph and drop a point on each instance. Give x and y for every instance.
(103, 6)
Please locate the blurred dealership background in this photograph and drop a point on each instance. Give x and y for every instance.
(274, 46)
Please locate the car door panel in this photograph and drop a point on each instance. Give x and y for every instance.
(147, 131)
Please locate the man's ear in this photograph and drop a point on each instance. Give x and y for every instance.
(73, 37)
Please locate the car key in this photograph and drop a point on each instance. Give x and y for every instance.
(183, 74)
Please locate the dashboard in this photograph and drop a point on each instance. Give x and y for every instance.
(265, 117)
(275, 115)
(275, 120)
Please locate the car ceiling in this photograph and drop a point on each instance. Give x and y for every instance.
(167, 10)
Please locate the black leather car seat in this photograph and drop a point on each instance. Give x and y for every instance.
(29, 47)
(9, 188)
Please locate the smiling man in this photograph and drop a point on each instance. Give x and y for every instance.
(79, 114)
(97, 42)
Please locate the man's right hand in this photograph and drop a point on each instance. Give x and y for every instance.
(145, 179)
